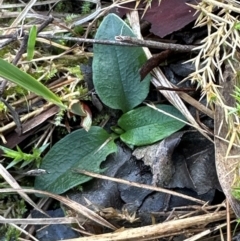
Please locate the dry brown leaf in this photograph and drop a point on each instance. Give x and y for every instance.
(169, 16)
(226, 166)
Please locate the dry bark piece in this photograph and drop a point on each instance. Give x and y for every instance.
(154, 62)
(159, 157)
(41, 118)
(226, 166)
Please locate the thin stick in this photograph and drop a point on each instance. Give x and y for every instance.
(135, 184)
(155, 231)
(229, 238)
(154, 44)
(86, 40)
(31, 221)
(121, 42)
(69, 203)
(20, 229)
(15, 115)
(11, 36)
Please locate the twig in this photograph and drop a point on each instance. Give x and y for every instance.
(7, 42)
(176, 89)
(154, 62)
(135, 184)
(143, 43)
(15, 115)
(77, 207)
(229, 238)
(11, 36)
(45, 24)
(18, 56)
(154, 44)
(19, 5)
(86, 40)
(157, 231)
(31, 221)
(14, 36)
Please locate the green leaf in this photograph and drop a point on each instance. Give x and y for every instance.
(237, 26)
(144, 125)
(78, 150)
(19, 156)
(31, 42)
(15, 75)
(116, 68)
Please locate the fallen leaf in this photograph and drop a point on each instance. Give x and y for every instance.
(159, 157)
(226, 167)
(169, 16)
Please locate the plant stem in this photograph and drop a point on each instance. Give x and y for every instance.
(128, 41)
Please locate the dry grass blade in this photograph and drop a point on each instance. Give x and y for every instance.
(156, 231)
(173, 97)
(12, 182)
(20, 229)
(19, 5)
(78, 208)
(21, 15)
(206, 232)
(144, 186)
(38, 221)
(217, 48)
(196, 104)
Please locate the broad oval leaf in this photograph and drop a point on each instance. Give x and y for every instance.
(78, 150)
(144, 125)
(116, 68)
(17, 76)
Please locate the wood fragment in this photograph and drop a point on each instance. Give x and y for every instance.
(155, 44)
(226, 167)
(160, 230)
(154, 62)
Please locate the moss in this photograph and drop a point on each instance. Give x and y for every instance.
(15, 91)
(86, 7)
(11, 233)
(18, 210)
(9, 50)
(65, 6)
(79, 30)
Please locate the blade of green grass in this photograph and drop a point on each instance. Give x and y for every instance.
(15, 75)
(31, 42)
